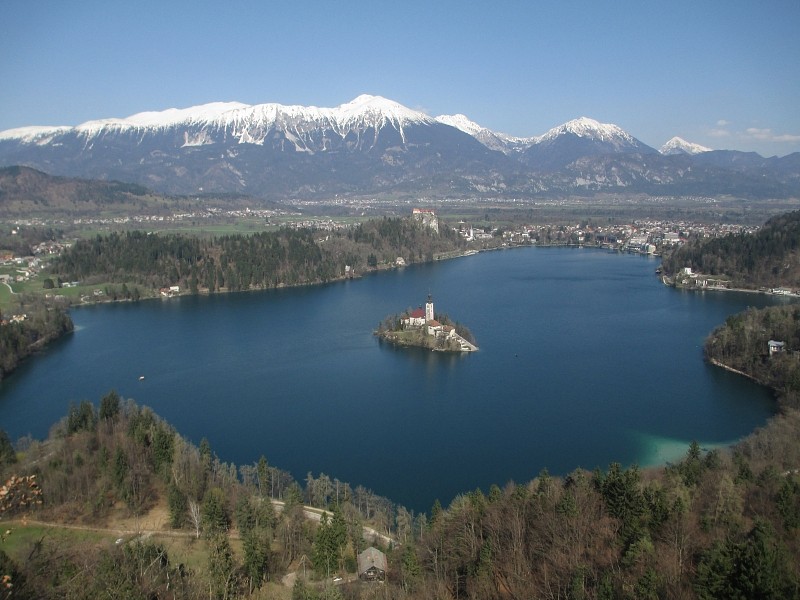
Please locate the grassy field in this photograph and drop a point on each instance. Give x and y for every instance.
(19, 537)
(5, 297)
(19, 542)
(23, 535)
(72, 295)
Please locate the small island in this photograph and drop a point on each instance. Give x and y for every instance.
(422, 328)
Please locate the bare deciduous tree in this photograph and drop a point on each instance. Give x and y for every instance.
(196, 516)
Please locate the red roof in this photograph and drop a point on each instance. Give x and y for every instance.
(418, 314)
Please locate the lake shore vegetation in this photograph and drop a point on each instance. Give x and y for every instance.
(716, 524)
(240, 262)
(763, 344)
(765, 259)
(27, 328)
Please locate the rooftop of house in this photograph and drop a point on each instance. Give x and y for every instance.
(371, 557)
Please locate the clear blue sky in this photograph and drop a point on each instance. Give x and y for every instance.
(725, 74)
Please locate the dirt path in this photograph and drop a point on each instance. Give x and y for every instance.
(112, 531)
(155, 522)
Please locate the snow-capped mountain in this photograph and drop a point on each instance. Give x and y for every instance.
(491, 139)
(680, 146)
(579, 138)
(374, 145)
(586, 128)
(266, 149)
(310, 129)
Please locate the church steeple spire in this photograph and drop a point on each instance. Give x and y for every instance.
(429, 308)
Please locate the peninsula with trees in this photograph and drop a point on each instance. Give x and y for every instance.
(764, 261)
(423, 328)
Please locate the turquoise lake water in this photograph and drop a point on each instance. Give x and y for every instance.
(585, 359)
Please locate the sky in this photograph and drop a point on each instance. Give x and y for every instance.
(724, 74)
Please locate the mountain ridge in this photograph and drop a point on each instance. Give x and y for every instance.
(375, 145)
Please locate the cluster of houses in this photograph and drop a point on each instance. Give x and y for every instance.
(22, 268)
(688, 278)
(169, 292)
(14, 319)
(50, 247)
(470, 234)
(641, 236)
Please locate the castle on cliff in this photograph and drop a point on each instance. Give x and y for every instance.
(427, 217)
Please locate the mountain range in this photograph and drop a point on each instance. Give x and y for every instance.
(373, 145)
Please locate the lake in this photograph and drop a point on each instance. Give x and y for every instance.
(585, 359)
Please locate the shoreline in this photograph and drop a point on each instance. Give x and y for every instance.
(375, 270)
(721, 365)
(666, 282)
(38, 346)
(389, 268)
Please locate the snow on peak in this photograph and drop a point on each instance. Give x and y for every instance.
(173, 116)
(33, 135)
(589, 128)
(461, 122)
(249, 123)
(375, 110)
(491, 139)
(680, 146)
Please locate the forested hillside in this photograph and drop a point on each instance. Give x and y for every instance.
(242, 262)
(742, 344)
(767, 258)
(714, 525)
(30, 328)
(120, 459)
(27, 192)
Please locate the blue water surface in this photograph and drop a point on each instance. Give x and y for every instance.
(585, 359)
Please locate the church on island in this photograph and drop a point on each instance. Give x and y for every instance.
(424, 320)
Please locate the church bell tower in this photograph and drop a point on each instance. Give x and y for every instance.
(429, 309)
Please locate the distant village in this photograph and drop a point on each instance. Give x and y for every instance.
(650, 237)
(641, 236)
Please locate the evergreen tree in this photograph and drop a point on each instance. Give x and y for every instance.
(215, 514)
(7, 454)
(109, 406)
(178, 505)
(221, 567)
(325, 550)
(263, 475)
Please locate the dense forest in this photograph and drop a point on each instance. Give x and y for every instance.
(717, 524)
(21, 337)
(242, 262)
(767, 258)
